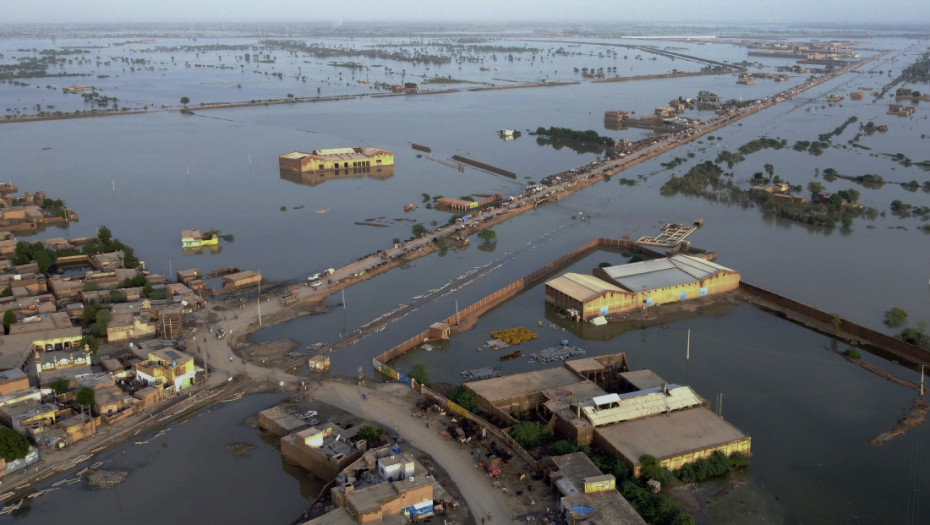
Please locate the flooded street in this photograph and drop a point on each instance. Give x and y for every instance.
(186, 475)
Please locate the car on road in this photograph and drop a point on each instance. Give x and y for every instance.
(316, 284)
(314, 277)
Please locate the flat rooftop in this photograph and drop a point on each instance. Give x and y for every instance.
(527, 383)
(610, 506)
(643, 379)
(669, 435)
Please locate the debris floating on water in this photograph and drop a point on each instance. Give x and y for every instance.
(555, 353)
(480, 373)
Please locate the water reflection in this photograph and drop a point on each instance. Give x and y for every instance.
(319, 177)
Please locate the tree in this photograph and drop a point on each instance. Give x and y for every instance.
(368, 432)
(99, 328)
(815, 187)
(530, 434)
(85, 398)
(8, 318)
(895, 317)
(12, 444)
(92, 343)
(769, 170)
(562, 446)
(487, 234)
(420, 374)
(464, 397)
(185, 101)
(418, 229)
(59, 386)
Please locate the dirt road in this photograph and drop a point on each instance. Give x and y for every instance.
(392, 405)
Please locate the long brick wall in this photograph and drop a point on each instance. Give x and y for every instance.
(859, 333)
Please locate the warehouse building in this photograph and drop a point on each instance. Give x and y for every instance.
(627, 287)
(335, 159)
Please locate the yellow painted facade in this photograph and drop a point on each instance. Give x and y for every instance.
(675, 462)
(336, 159)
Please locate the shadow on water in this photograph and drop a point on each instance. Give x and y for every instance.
(588, 332)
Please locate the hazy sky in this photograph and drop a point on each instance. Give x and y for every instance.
(335, 11)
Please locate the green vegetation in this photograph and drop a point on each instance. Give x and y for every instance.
(730, 158)
(185, 101)
(588, 136)
(464, 397)
(117, 296)
(368, 432)
(826, 137)
(760, 144)
(895, 317)
(487, 234)
(707, 180)
(97, 317)
(9, 318)
(420, 374)
(13, 445)
(134, 282)
(562, 447)
(105, 243)
(59, 386)
(650, 469)
(677, 161)
(418, 229)
(530, 434)
(350, 65)
(919, 71)
(716, 464)
(85, 398)
(448, 80)
(7, 292)
(27, 252)
(91, 342)
(655, 509)
(915, 336)
(852, 353)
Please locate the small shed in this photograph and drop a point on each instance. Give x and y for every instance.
(439, 331)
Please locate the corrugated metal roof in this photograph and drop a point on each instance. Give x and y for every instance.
(581, 287)
(662, 273)
(640, 404)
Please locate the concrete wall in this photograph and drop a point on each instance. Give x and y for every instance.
(312, 461)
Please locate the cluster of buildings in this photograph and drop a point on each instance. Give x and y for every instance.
(30, 212)
(779, 191)
(44, 407)
(379, 485)
(901, 110)
(48, 354)
(615, 290)
(599, 402)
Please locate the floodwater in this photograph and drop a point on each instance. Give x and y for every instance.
(809, 413)
(187, 475)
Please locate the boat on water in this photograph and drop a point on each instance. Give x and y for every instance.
(410, 207)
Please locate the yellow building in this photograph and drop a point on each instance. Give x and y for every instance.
(196, 239)
(336, 159)
(169, 367)
(618, 289)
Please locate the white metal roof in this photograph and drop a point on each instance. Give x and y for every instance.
(581, 287)
(643, 403)
(661, 273)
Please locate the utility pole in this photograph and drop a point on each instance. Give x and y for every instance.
(343, 298)
(688, 358)
(921, 380)
(456, 312)
(259, 300)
